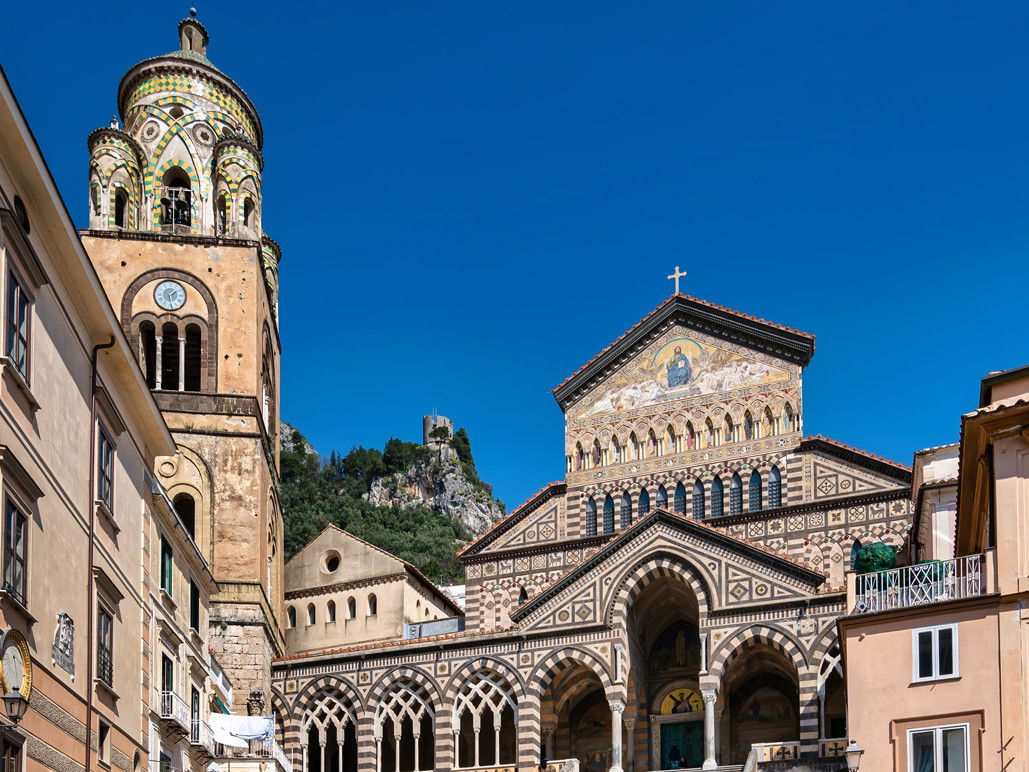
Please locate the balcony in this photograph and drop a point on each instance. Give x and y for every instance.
(201, 737)
(258, 751)
(921, 584)
(175, 713)
(221, 683)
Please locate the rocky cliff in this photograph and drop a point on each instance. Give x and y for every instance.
(443, 485)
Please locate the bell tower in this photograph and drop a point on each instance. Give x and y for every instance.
(176, 234)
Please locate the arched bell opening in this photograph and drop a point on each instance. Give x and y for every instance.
(762, 702)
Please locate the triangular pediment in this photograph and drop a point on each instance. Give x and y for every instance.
(535, 522)
(700, 368)
(836, 470)
(726, 573)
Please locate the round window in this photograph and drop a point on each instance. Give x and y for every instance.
(332, 562)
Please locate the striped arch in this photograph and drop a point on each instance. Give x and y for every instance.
(326, 708)
(154, 173)
(417, 675)
(550, 667)
(194, 184)
(774, 637)
(825, 642)
(130, 210)
(658, 565)
(470, 668)
(305, 699)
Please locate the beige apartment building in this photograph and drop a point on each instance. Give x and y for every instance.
(79, 432)
(936, 652)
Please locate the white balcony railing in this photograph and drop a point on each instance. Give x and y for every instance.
(258, 749)
(174, 708)
(200, 734)
(920, 584)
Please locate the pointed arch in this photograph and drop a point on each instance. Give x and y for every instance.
(625, 512)
(772, 636)
(717, 498)
(748, 426)
(690, 436)
(774, 488)
(735, 495)
(649, 568)
(709, 434)
(768, 424)
(634, 447)
(787, 418)
(662, 497)
(680, 499)
(643, 507)
(671, 441)
(652, 444)
(591, 517)
(754, 492)
(729, 429)
(698, 500)
(597, 456)
(609, 515)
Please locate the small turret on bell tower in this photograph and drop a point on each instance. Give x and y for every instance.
(176, 233)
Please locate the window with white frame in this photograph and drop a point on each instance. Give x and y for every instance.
(938, 749)
(19, 305)
(935, 652)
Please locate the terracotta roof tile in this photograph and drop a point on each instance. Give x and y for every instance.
(395, 643)
(859, 451)
(692, 299)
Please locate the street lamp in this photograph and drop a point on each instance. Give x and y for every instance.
(853, 753)
(15, 705)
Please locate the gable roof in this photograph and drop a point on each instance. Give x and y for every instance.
(505, 524)
(767, 555)
(760, 334)
(415, 574)
(887, 466)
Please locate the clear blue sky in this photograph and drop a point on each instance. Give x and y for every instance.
(475, 198)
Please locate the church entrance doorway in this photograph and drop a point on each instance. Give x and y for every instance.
(682, 741)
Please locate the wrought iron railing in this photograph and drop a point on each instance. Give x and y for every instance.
(174, 708)
(262, 749)
(920, 584)
(200, 734)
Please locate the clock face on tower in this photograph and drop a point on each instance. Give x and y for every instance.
(170, 295)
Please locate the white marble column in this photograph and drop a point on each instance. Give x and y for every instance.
(703, 653)
(630, 750)
(182, 364)
(617, 707)
(158, 360)
(709, 695)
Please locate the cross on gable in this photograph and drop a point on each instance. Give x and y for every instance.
(677, 275)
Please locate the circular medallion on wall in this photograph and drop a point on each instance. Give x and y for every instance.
(150, 131)
(170, 295)
(203, 135)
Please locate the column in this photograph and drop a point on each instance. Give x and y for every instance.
(159, 363)
(322, 746)
(709, 695)
(617, 706)
(496, 739)
(703, 653)
(182, 364)
(630, 750)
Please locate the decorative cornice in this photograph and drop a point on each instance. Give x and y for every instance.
(311, 592)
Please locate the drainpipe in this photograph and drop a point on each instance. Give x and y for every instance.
(89, 570)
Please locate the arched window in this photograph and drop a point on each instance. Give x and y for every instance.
(754, 493)
(855, 548)
(691, 436)
(662, 497)
(768, 429)
(579, 457)
(591, 517)
(698, 500)
(332, 611)
(748, 426)
(616, 451)
(609, 515)
(735, 495)
(169, 357)
(373, 605)
(626, 511)
(679, 502)
(121, 207)
(193, 359)
(222, 214)
(328, 733)
(522, 597)
(634, 447)
(406, 722)
(670, 440)
(717, 496)
(644, 505)
(787, 419)
(351, 608)
(597, 455)
(774, 488)
(651, 444)
(709, 439)
(177, 200)
(248, 212)
(186, 507)
(728, 431)
(310, 613)
(484, 720)
(291, 617)
(148, 353)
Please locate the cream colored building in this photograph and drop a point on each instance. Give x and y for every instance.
(936, 652)
(77, 494)
(343, 591)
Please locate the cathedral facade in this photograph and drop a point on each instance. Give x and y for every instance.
(673, 599)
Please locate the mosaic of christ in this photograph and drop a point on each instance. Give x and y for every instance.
(680, 368)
